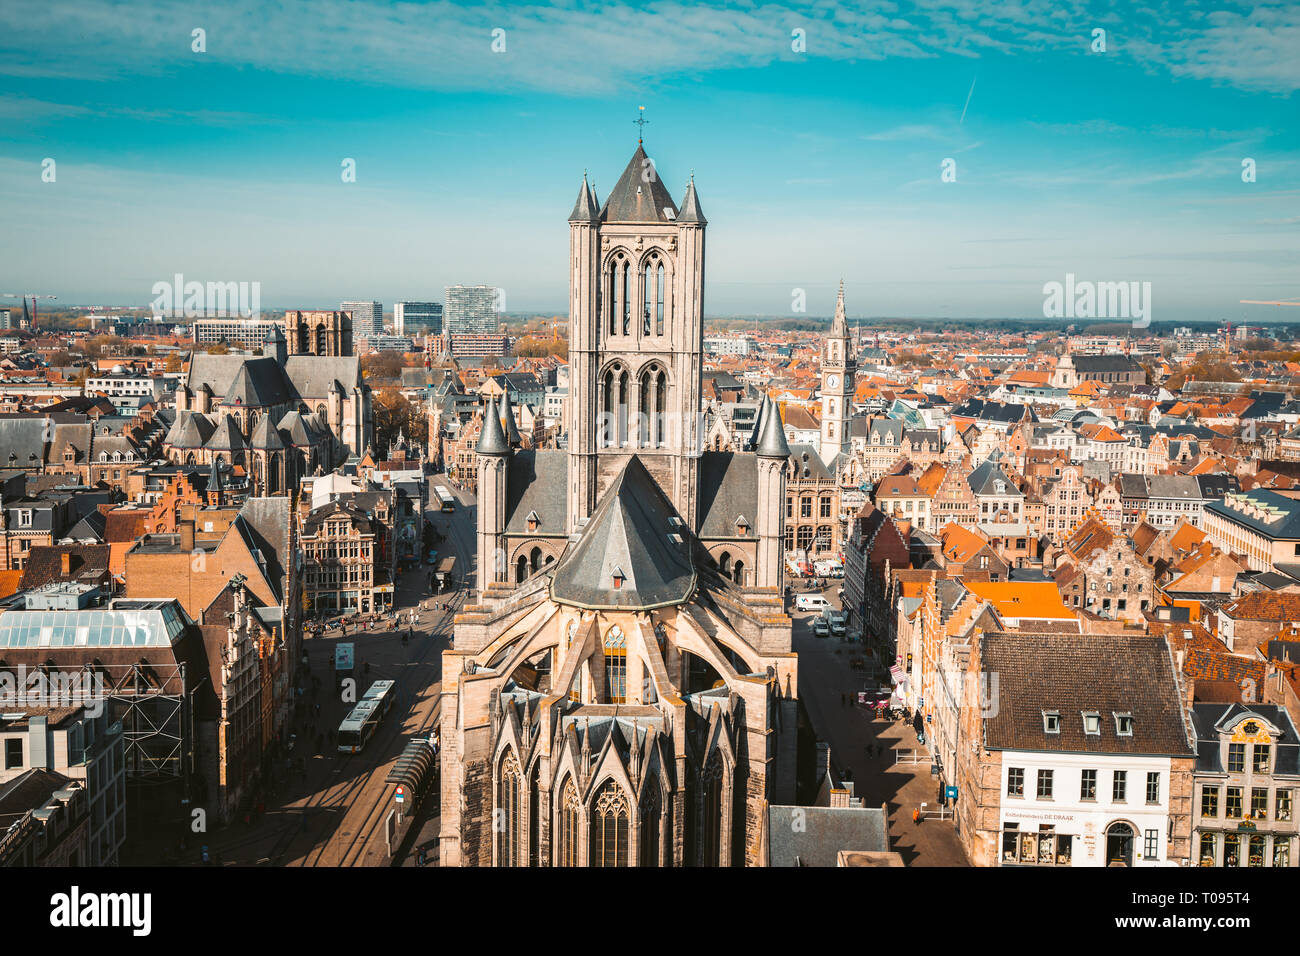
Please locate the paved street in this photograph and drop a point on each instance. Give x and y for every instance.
(824, 675)
(331, 813)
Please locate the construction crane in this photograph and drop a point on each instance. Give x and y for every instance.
(25, 296)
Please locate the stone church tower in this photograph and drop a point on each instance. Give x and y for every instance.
(839, 368)
(622, 688)
(636, 318)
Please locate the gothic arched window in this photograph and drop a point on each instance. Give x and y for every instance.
(660, 287)
(615, 666)
(534, 815)
(570, 819)
(661, 402)
(625, 287)
(508, 799)
(711, 809)
(647, 297)
(724, 563)
(651, 824)
(609, 826)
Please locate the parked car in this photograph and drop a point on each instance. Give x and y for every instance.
(821, 627)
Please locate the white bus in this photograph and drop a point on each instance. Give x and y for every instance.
(364, 719)
(445, 501)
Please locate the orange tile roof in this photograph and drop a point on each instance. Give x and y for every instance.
(1015, 599)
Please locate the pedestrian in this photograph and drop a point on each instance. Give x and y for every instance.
(842, 699)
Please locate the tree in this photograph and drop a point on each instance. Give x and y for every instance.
(394, 414)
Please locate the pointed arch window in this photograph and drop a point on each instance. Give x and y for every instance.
(615, 666)
(534, 815)
(570, 820)
(625, 296)
(609, 826)
(508, 800)
(647, 295)
(711, 811)
(660, 291)
(651, 824)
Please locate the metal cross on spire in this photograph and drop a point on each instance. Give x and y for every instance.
(640, 123)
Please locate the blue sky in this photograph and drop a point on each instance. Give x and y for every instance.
(225, 165)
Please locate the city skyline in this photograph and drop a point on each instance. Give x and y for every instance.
(818, 142)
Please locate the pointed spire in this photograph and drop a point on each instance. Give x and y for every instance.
(492, 440)
(586, 208)
(840, 325)
(214, 480)
(772, 443)
(508, 419)
(691, 211)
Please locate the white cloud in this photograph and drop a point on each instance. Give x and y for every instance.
(442, 45)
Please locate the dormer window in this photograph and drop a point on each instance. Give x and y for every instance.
(1051, 721)
(619, 578)
(1124, 725)
(742, 526)
(533, 521)
(1092, 723)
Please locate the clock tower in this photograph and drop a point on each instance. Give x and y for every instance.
(839, 367)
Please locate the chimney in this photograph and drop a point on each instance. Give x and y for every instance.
(65, 563)
(187, 536)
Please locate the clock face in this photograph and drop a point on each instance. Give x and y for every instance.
(833, 381)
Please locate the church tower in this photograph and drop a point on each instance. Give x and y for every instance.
(839, 367)
(636, 318)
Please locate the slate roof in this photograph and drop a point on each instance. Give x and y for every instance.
(728, 490)
(982, 479)
(266, 437)
(825, 832)
(1208, 719)
(585, 208)
(635, 531)
(1093, 364)
(190, 430)
(226, 437)
(1075, 673)
(1286, 525)
(89, 565)
(537, 480)
(492, 437)
(634, 200)
(770, 430)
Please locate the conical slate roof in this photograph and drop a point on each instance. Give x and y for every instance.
(639, 195)
(586, 208)
(492, 440)
(635, 538)
(294, 427)
(226, 437)
(190, 430)
(266, 437)
(508, 421)
(771, 442)
(691, 211)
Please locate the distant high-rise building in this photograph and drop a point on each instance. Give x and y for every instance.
(470, 308)
(367, 318)
(417, 317)
(6, 319)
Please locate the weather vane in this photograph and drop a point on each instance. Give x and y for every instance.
(640, 123)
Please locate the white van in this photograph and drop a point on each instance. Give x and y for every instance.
(811, 602)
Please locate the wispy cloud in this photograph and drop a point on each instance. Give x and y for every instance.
(571, 48)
